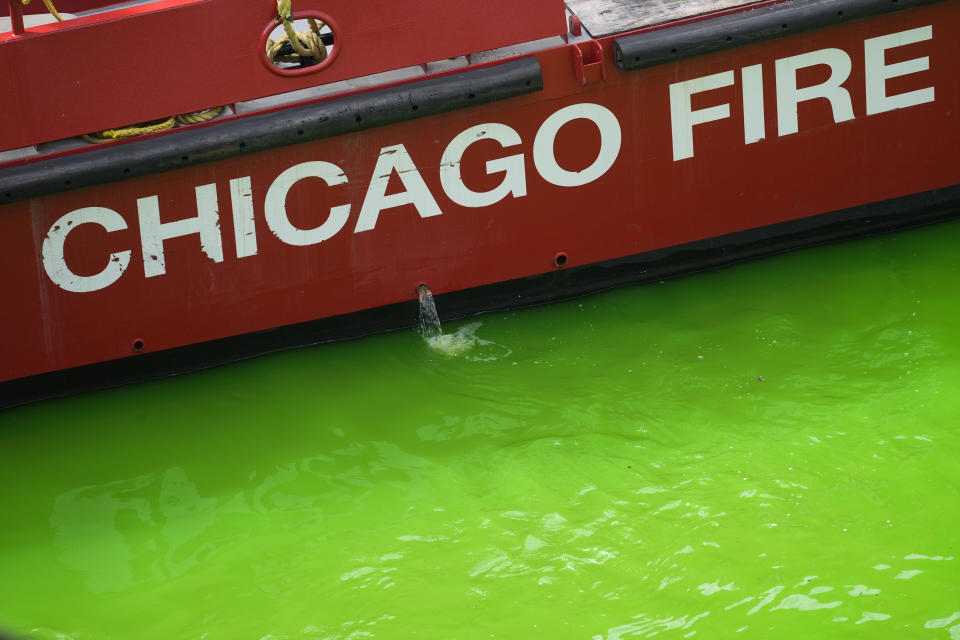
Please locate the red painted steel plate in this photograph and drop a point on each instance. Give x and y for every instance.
(645, 200)
(163, 58)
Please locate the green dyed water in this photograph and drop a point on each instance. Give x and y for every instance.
(765, 451)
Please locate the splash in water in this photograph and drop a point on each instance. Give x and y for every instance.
(465, 340)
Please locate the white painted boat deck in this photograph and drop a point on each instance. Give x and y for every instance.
(32, 20)
(608, 17)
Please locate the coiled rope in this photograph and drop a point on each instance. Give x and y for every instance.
(142, 129)
(109, 135)
(195, 117)
(305, 48)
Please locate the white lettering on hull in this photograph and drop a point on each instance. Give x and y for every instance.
(153, 232)
(684, 118)
(610, 137)
(393, 160)
(513, 167)
(754, 119)
(275, 206)
(789, 96)
(244, 227)
(52, 251)
(396, 160)
(878, 71)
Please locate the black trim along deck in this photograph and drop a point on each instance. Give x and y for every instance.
(243, 135)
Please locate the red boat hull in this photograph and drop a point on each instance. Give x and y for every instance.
(583, 172)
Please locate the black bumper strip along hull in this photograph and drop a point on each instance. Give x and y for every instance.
(746, 27)
(865, 220)
(293, 125)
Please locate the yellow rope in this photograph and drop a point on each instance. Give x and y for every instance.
(285, 17)
(310, 43)
(52, 9)
(305, 44)
(199, 116)
(120, 133)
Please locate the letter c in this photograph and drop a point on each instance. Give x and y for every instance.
(276, 204)
(52, 250)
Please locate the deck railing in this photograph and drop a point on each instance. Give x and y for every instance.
(16, 16)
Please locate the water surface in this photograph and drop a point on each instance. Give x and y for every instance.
(766, 451)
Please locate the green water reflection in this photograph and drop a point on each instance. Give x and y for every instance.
(765, 451)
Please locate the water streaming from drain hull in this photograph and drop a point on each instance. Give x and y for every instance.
(766, 451)
(429, 319)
